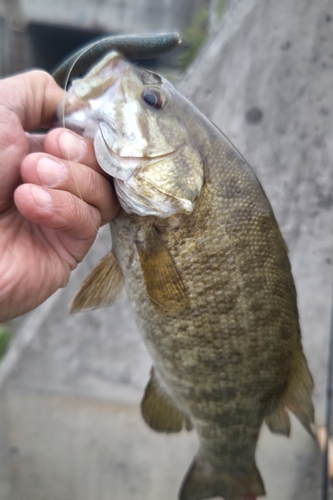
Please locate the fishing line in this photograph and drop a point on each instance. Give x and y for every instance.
(326, 457)
(63, 121)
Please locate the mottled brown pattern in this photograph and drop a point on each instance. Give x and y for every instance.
(228, 360)
(214, 298)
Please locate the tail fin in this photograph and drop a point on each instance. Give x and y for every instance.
(203, 481)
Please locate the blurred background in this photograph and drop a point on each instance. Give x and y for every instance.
(70, 387)
(36, 33)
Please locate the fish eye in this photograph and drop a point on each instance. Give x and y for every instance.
(153, 98)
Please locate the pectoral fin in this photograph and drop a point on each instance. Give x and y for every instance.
(101, 287)
(163, 282)
(159, 411)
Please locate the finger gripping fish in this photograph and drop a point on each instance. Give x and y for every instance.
(206, 270)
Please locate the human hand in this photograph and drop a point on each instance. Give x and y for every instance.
(50, 207)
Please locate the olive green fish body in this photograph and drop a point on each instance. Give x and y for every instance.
(207, 273)
(228, 358)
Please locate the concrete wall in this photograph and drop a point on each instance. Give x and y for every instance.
(53, 29)
(71, 385)
(4, 46)
(114, 15)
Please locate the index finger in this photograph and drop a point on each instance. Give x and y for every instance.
(65, 144)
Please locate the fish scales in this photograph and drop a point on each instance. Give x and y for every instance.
(207, 273)
(221, 333)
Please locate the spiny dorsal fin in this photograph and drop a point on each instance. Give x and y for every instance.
(101, 287)
(163, 282)
(297, 399)
(159, 411)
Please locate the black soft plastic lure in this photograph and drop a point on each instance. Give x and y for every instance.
(130, 46)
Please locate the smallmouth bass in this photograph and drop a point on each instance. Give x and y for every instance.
(206, 270)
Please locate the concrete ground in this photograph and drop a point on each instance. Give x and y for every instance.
(70, 423)
(70, 426)
(70, 447)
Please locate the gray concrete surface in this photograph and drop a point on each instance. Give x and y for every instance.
(74, 448)
(131, 16)
(70, 428)
(70, 447)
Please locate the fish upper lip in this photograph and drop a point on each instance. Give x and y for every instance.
(133, 157)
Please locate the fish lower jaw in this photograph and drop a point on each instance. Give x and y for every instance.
(158, 205)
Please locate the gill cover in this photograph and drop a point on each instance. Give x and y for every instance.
(140, 138)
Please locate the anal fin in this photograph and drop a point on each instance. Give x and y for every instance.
(278, 422)
(163, 282)
(159, 411)
(101, 287)
(297, 399)
(299, 393)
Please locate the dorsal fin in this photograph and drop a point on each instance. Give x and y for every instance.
(101, 287)
(159, 411)
(163, 282)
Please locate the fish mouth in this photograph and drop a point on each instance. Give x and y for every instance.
(116, 165)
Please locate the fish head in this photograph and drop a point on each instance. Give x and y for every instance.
(136, 119)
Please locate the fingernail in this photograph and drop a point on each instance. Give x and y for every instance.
(72, 146)
(41, 196)
(50, 172)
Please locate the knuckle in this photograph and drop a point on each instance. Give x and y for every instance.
(85, 218)
(78, 211)
(93, 181)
